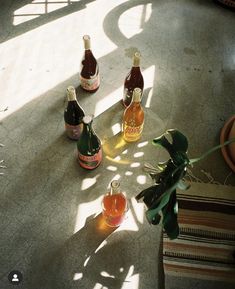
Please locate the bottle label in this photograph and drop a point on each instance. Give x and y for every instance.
(132, 133)
(74, 131)
(90, 162)
(91, 83)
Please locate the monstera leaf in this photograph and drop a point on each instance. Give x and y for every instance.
(160, 199)
(177, 148)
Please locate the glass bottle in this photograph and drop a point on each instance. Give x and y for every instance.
(73, 115)
(133, 118)
(89, 146)
(133, 79)
(89, 75)
(114, 205)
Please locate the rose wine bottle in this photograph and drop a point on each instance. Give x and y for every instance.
(133, 79)
(73, 115)
(89, 75)
(133, 118)
(114, 205)
(89, 146)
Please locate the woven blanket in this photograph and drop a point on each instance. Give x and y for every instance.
(203, 256)
(227, 3)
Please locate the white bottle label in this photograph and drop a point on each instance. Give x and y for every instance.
(91, 83)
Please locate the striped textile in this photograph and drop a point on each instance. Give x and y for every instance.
(227, 3)
(205, 248)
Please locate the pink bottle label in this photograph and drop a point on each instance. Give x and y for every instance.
(90, 162)
(74, 131)
(90, 84)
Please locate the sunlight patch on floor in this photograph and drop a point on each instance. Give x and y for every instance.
(116, 128)
(149, 76)
(141, 179)
(101, 246)
(132, 21)
(108, 101)
(89, 182)
(38, 60)
(86, 210)
(131, 280)
(138, 210)
(77, 276)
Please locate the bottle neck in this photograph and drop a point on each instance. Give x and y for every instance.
(136, 98)
(87, 122)
(71, 94)
(115, 187)
(87, 128)
(136, 60)
(87, 42)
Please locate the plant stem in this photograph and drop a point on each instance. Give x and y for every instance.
(191, 161)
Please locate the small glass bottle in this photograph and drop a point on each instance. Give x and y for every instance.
(89, 75)
(133, 79)
(73, 115)
(114, 205)
(133, 118)
(89, 146)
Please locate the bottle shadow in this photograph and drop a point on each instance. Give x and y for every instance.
(84, 260)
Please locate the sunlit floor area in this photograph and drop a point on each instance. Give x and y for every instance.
(51, 227)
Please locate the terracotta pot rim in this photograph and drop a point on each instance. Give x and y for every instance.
(224, 137)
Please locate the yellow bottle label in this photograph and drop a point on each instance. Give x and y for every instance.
(132, 133)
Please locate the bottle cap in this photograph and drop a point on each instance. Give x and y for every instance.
(87, 119)
(137, 94)
(87, 43)
(136, 59)
(71, 93)
(115, 184)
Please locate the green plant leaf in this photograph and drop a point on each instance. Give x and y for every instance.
(153, 219)
(150, 195)
(162, 141)
(179, 141)
(170, 223)
(177, 148)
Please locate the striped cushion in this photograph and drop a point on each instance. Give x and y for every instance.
(205, 249)
(228, 3)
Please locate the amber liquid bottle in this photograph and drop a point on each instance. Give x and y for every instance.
(114, 205)
(133, 79)
(89, 146)
(89, 75)
(73, 115)
(133, 118)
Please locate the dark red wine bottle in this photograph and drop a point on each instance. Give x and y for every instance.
(89, 75)
(133, 79)
(89, 146)
(73, 115)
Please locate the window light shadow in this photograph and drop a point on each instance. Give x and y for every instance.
(38, 8)
(24, 16)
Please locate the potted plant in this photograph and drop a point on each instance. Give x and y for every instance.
(160, 198)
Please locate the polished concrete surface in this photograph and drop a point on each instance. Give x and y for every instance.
(49, 206)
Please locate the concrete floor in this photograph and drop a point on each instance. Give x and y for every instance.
(47, 202)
